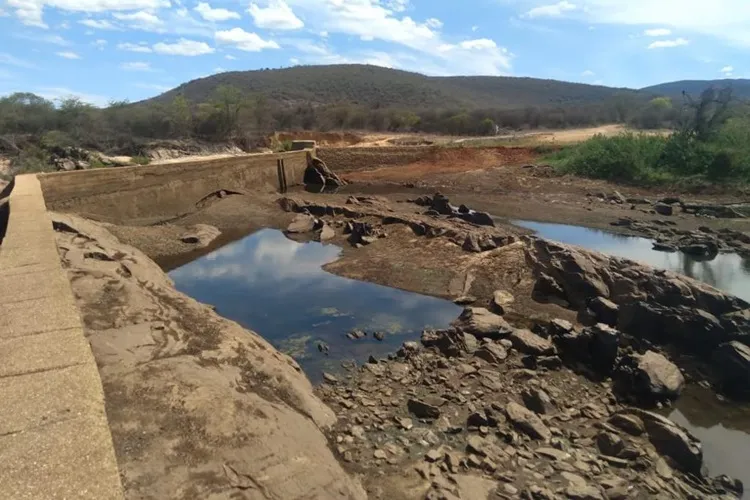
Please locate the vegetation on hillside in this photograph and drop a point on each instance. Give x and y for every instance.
(712, 144)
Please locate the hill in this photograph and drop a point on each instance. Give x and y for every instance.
(375, 86)
(740, 87)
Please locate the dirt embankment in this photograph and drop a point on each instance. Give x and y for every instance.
(198, 406)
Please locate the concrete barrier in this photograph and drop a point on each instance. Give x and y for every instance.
(142, 195)
(54, 435)
(342, 160)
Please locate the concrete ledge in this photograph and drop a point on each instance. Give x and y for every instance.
(54, 435)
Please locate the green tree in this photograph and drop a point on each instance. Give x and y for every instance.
(181, 117)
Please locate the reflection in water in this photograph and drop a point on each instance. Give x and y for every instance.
(276, 287)
(724, 429)
(728, 272)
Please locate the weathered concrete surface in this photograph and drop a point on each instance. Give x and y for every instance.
(54, 436)
(355, 159)
(144, 195)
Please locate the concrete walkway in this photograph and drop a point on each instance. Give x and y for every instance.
(54, 436)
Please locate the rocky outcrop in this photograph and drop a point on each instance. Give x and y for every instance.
(200, 235)
(481, 323)
(657, 377)
(198, 406)
(440, 205)
(318, 173)
(731, 363)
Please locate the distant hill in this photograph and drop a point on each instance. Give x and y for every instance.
(741, 88)
(375, 86)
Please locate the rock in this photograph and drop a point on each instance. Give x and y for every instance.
(408, 349)
(317, 172)
(500, 301)
(201, 235)
(553, 453)
(530, 343)
(492, 353)
(379, 336)
(422, 409)
(481, 323)
(548, 290)
(583, 492)
(465, 300)
(663, 247)
(380, 455)
(603, 346)
(302, 223)
(476, 444)
(731, 363)
(326, 233)
(527, 421)
(471, 243)
(604, 310)
(707, 250)
(609, 444)
(404, 423)
(628, 423)
(449, 342)
(657, 377)
(683, 325)
(663, 208)
(557, 327)
(330, 378)
(356, 334)
(538, 401)
(618, 198)
(434, 455)
(671, 440)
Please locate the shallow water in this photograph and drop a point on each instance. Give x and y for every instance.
(277, 287)
(728, 272)
(723, 428)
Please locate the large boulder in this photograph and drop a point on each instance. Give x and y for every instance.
(528, 342)
(684, 325)
(317, 172)
(481, 323)
(663, 209)
(731, 363)
(671, 440)
(658, 378)
(527, 421)
(605, 311)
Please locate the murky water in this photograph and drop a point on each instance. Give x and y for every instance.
(276, 287)
(728, 272)
(722, 427)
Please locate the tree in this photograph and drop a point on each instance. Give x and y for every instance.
(228, 101)
(181, 117)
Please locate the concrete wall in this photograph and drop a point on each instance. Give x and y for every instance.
(342, 160)
(141, 195)
(55, 440)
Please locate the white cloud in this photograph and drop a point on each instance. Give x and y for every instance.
(294, 61)
(372, 18)
(727, 70)
(230, 57)
(132, 47)
(434, 23)
(479, 44)
(243, 40)
(14, 61)
(99, 44)
(99, 24)
(30, 12)
(136, 66)
(142, 17)
(324, 34)
(57, 93)
(397, 5)
(153, 86)
(474, 28)
(68, 55)
(588, 73)
(668, 44)
(277, 16)
(657, 32)
(215, 15)
(553, 10)
(219, 69)
(44, 37)
(183, 47)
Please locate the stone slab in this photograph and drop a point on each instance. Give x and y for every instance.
(33, 285)
(44, 398)
(26, 317)
(72, 459)
(46, 351)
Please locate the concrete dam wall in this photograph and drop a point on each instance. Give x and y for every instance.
(144, 195)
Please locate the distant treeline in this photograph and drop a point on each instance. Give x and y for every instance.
(231, 115)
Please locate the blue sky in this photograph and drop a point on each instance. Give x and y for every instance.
(102, 50)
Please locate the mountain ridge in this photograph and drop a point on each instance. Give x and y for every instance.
(375, 87)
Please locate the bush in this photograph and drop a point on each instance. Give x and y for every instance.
(140, 160)
(31, 159)
(624, 158)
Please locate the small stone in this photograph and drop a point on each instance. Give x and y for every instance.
(527, 421)
(583, 492)
(609, 444)
(628, 423)
(553, 453)
(465, 300)
(380, 454)
(330, 378)
(422, 409)
(530, 343)
(379, 336)
(404, 423)
(433, 455)
(500, 301)
(510, 489)
(537, 401)
(489, 465)
(476, 444)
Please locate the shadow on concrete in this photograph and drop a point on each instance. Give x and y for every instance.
(5, 208)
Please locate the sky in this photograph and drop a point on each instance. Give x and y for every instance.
(106, 50)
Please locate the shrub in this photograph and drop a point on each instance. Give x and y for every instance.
(140, 160)
(31, 159)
